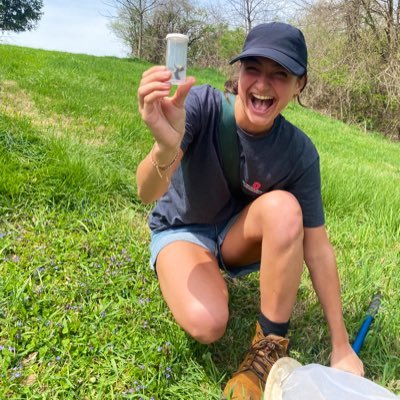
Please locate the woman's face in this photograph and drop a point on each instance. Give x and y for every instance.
(265, 89)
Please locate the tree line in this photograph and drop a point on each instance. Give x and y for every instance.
(355, 60)
(215, 31)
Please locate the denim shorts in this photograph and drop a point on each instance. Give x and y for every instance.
(208, 236)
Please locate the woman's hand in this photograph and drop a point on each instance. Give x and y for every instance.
(165, 116)
(345, 358)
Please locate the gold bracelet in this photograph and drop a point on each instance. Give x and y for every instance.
(164, 167)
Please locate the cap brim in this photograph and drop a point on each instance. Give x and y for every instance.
(287, 62)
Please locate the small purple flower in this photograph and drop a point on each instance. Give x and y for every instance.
(2, 348)
(103, 314)
(2, 234)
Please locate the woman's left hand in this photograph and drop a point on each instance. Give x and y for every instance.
(345, 358)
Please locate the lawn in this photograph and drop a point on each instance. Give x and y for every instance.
(81, 316)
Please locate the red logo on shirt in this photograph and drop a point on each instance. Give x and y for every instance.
(256, 185)
(254, 188)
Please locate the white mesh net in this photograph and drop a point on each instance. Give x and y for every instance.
(322, 383)
(288, 380)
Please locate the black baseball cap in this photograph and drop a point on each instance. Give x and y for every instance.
(277, 41)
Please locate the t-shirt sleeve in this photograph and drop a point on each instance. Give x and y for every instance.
(307, 189)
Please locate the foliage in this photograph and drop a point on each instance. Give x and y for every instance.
(131, 22)
(174, 16)
(246, 14)
(19, 15)
(231, 43)
(355, 61)
(81, 314)
(211, 43)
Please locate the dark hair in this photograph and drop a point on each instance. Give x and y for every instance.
(231, 85)
(305, 84)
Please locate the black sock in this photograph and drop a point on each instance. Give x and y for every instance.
(274, 328)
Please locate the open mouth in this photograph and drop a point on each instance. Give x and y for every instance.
(260, 103)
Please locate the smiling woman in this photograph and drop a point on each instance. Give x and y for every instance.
(269, 87)
(76, 26)
(199, 227)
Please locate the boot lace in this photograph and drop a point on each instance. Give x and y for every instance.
(261, 357)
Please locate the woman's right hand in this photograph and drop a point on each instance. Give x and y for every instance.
(165, 116)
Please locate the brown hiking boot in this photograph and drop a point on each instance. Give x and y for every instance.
(249, 381)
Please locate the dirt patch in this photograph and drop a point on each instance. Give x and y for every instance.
(18, 103)
(15, 101)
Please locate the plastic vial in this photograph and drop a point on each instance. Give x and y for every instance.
(176, 62)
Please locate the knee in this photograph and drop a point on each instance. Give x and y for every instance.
(206, 326)
(281, 216)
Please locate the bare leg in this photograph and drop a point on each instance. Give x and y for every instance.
(270, 229)
(194, 290)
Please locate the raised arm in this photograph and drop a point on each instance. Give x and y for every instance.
(321, 262)
(165, 118)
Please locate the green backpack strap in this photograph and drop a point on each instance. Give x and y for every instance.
(228, 144)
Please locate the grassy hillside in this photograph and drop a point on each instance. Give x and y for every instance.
(81, 316)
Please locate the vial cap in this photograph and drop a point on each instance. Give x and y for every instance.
(178, 37)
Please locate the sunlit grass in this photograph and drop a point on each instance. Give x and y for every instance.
(81, 315)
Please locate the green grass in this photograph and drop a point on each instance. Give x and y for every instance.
(81, 316)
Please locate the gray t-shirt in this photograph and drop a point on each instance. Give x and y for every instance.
(284, 158)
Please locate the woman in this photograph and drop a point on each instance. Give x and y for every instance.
(199, 227)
